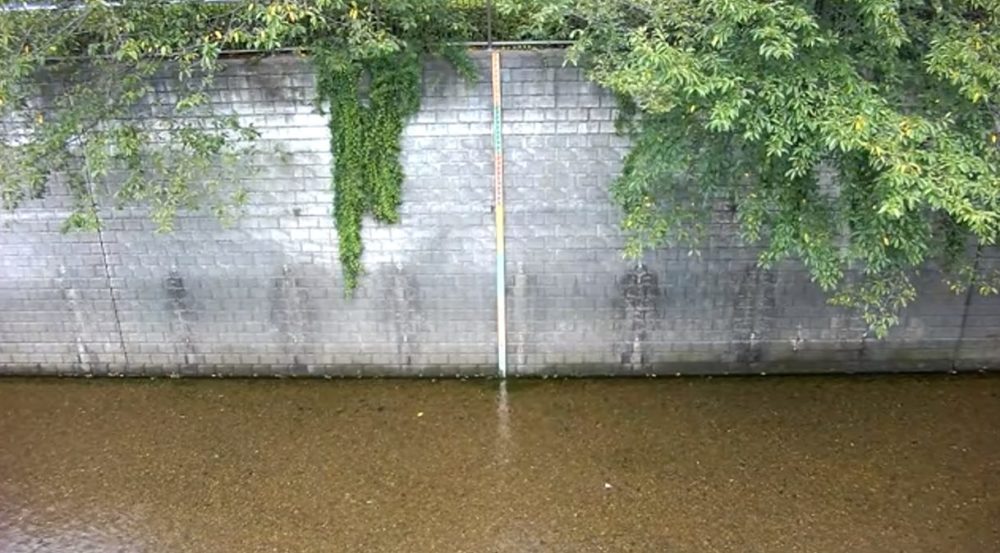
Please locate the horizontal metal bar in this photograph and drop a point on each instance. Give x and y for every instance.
(502, 43)
(303, 50)
(469, 44)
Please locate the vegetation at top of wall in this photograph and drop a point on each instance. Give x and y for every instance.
(78, 99)
(860, 137)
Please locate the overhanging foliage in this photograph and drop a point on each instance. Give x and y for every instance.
(97, 126)
(859, 137)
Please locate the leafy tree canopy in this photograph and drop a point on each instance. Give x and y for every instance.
(76, 78)
(858, 136)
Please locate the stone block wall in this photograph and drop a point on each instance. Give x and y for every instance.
(265, 297)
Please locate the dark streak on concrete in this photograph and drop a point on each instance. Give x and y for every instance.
(753, 312)
(640, 290)
(287, 301)
(179, 305)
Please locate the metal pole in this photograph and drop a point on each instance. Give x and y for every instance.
(498, 216)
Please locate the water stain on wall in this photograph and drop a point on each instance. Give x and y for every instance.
(287, 300)
(640, 290)
(179, 305)
(84, 357)
(522, 311)
(402, 309)
(753, 313)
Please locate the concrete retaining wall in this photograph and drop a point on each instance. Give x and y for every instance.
(265, 297)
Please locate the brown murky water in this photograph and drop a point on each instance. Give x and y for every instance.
(742, 465)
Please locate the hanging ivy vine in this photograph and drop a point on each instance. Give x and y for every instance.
(369, 103)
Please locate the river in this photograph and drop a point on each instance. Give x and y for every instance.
(812, 464)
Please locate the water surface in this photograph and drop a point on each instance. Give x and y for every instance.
(686, 465)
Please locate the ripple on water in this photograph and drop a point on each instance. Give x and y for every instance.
(681, 465)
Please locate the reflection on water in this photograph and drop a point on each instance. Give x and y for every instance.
(687, 465)
(503, 424)
(58, 528)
